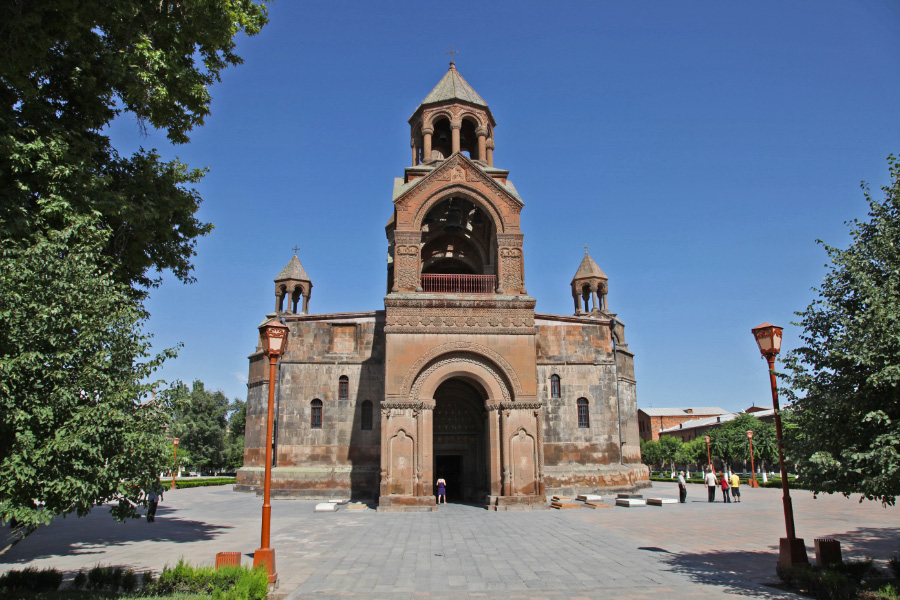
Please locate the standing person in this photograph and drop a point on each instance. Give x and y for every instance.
(725, 497)
(682, 488)
(153, 497)
(442, 491)
(735, 487)
(711, 485)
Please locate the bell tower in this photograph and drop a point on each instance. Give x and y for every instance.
(459, 325)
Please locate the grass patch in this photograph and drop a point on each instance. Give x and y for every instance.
(192, 483)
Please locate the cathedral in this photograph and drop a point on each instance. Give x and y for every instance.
(457, 377)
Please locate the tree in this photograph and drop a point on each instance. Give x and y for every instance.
(845, 377)
(651, 453)
(668, 449)
(200, 423)
(68, 69)
(729, 440)
(234, 439)
(78, 423)
(692, 453)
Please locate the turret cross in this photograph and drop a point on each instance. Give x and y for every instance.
(295, 248)
(451, 53)
(586, 249)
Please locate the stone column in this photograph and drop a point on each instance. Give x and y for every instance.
(385, 433)
(306, 303)
(454, 130)
(426, 148)
(594, 302)
(504, 453)
(415, 153)
(482, 142)
(279, 302)
(490, 153)
(576, 296)
(495, 465)
(539, 437)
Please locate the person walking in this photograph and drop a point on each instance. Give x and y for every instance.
(153, 497)
(682, 488)
(442, 491)
(735, 487)
(725, 497)
(711, 485)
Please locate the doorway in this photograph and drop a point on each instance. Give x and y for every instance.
(459, 450)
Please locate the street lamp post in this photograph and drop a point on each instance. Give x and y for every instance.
(273, 336)
(792, 550)
(708, 459)
(174, 461)
(753, 483)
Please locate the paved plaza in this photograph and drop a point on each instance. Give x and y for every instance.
(693, 550)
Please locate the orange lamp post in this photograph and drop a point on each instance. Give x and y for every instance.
(174, 461)
(708, 459)
(273, 338)
(792, 550)
(752, 482)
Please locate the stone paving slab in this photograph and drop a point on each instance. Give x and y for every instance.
(708, 551)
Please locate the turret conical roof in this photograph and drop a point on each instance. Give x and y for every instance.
(588, 269)
(452, 86)
(293, 270)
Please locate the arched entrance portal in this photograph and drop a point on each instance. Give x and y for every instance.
(459, 450)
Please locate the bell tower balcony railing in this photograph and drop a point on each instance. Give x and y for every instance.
(459, 284)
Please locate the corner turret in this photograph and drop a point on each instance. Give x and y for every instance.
(292, 283)
(589, 288)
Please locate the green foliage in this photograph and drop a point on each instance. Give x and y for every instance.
(845, 377)
(227, 583)
(67, 70)
(212, 481)
(729, 442)
(30, 579)
(79, 581)
(692, 453)
(651, 453)
(894, 563)
(200, 423)
(234, 439)
(78, 423)
(668, 449)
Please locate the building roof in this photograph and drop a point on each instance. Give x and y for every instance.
(588, 268)
(705, 422)
(293, 270)
(681, 412)
(452, 86)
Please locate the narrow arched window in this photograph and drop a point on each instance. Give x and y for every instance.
(584, 416)
(315, 414)
(343, 387)
(554, 386)
(365, 422)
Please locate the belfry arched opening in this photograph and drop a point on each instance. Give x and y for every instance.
(460, 454)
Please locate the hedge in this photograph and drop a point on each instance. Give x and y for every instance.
(192, 483)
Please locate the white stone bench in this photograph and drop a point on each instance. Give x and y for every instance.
(326, 507)
(661, 501)
(589, 498)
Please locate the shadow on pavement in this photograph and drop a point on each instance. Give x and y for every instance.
(65, 536)
(873, 542)
(750, 574)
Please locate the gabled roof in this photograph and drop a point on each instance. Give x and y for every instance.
(293, 270)
(588, 268)
(452, 86)
(402, 189)
(699, 411)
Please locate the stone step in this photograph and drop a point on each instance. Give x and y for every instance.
(630, 502)
(589, 498)
(636, 496)
(596, 505)
(326, 507)
(560, 499)
(661, 501)
(564, 505)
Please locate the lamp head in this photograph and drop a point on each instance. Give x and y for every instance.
(175, 441)
(273, 337)
(768, 338)
(707, 438)
(749, 435)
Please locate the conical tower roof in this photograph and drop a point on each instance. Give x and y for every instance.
(293, 270)
(588, 269)
(452, 86)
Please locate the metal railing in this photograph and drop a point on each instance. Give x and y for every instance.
(459, 284)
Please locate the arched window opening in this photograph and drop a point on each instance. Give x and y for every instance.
(315, 414)
(458, 248)
(584, 417)
(442, 139)
(343, 387)
(365, 422)
(554, 386)
(468, 141)
(586, 297)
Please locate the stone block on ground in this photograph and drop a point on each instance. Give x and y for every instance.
(326, 507)
(626, 496)
(589, 497)
(661, 501)
(630, 502)
(339, 500)
(596, 505)
(357, 506)
(564, 505)
(560, 499)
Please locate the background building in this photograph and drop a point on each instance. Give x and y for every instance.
(651, 421)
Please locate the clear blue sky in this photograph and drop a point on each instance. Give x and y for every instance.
(698, 148)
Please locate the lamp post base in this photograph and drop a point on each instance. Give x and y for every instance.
(266, 557)
(792, 551)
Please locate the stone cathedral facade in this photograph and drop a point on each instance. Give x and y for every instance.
(457, 377)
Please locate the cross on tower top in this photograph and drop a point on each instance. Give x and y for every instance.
(586, 249)
(295, 249)
(451, 53)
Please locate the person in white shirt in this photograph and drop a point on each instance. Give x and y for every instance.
(711, 485)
